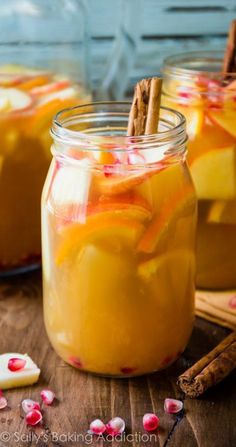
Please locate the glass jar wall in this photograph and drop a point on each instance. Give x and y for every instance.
(118, 233)
(194, 85)
(43, 68)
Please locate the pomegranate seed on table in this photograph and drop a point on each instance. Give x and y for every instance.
(97, 427)
(16, 364)
(115, 426)
(3, 402)
(47, 396)
(33, 417)
(29, 404)
(150, 422)
(232, 302)
(173, 406)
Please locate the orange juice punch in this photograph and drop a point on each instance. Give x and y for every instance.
(204, 90)
(118, 227)
(29, 97)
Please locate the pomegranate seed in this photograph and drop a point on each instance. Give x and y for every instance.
(167, 360)
(108, 170)
(47, 396)
(115, 426)
(29, 404)
(76, 362)
(150, 422)
(172, 406)
(127, 370)
(97, 427)
(3, 402)
(232, 302)
(33, 417)
(185, 95)
(16, 364)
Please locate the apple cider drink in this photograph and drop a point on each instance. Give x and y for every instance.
(118, 224)
(28, 100)
(195, 86)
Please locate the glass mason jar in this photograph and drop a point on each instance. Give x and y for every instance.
(195, 86)
(118, 224)
(43, 68)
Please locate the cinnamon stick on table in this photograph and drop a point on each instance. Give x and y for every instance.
(144, 112)
(229, 64)
(211, 369)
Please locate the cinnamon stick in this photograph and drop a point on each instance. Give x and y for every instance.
(211, 369)
(144, 112)
(229, 63)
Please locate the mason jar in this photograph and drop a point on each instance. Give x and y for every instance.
(195, 85)
(43, 68)
(118, 233)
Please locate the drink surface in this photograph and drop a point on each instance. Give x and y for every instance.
(28, 100)
(209, 105)
(118, 262)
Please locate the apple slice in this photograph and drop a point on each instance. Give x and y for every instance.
(126, 180)
(70, 187)
(214, 174)
(4, 103)
(194, 119)
(98, 227)
(44, 114)
(225, 119)
(50, 87)
(14, 379)
(15, 98)
(169, 212)
(222, 211)
(63, 94)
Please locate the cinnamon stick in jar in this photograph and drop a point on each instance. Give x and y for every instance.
(211, 369)
(229, 63)
(145, 109)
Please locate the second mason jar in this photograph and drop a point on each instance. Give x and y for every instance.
(118, 227)
(43, 69)
(195, 85)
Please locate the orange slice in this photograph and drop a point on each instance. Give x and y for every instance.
(170, 211)
(211, 138)
(224, 119)
(118, 184)
(34, 82)
(43, 115)
(98, 227)
(132, 204)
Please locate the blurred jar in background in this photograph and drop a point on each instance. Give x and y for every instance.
(43, 68)
(195, 85)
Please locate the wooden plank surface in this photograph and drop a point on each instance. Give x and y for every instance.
(208, 422)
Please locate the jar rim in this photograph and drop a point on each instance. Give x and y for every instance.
(174, 65)
(62, 133)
